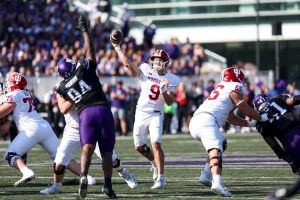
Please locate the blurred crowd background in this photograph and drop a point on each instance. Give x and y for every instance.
(34, 35)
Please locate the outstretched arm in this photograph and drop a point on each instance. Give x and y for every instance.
(135, 71)
(88, 45)
(238, 99)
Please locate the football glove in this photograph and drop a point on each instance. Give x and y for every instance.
(82, 23)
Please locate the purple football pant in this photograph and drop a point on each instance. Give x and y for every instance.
(291, 144)
(96, 124)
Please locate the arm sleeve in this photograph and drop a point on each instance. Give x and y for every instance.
(272, 142)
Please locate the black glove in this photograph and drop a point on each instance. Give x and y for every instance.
(82, 23)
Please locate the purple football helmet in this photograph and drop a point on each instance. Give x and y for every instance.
(66, 68)
(260, 101)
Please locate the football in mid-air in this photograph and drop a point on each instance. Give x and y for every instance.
(116, 37)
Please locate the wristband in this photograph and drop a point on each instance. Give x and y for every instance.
(117, 47)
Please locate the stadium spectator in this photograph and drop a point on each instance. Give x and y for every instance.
(182, 107)
(149, 32)
(69, 144)
(32, 128)
(281, 131)
(126, 16)
(211, 115)
(169, 111)
(157, 87)
(132, 100)
(118, 98)
(81, 88)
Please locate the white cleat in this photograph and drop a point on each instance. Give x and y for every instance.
(159, 183)
(205, 179)
(25, 179)
(154, 170)
(129, 178)
(91, 180)
(221, 190)
(51, 190)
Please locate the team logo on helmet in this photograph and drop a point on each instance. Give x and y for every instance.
(233, 74)
(15, 81)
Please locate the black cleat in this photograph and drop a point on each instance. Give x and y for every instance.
(109, 192)
(83, 184)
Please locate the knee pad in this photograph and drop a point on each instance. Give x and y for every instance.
(59, 169)
(11, 158)
(144, 150)
(215, 156)
(117, 164)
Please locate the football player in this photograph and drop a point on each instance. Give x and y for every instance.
(69, 144)
(81, 88)
(211, 115)
(284, 193)
(33, 129)
(282, 131)
(157, 88)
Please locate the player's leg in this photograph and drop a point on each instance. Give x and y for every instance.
(121, 170)
(140, 129)
(155, 129)
(22, 143)
(106, 142)
(203, 128)
(97, 125)
(64, 157)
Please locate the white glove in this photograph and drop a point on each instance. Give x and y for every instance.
(252, 123)
(264, 117)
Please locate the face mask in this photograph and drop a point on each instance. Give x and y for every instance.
(157, 67)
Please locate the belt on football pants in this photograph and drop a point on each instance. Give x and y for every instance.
(156, 111)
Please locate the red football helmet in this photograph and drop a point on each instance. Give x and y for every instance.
(16, 81)
(233, 74)
(161, 54)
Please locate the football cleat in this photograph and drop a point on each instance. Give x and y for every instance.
(159, 183)
(25, 179)
(91, 180)
(205, 179)
(129, 178)
(51, 190)
(154, 176)
(109, 192)
(83, 185)
(221, 190)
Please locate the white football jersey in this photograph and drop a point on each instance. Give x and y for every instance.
(219, 103)
(71, 119)
(151, 98)
(25, 110)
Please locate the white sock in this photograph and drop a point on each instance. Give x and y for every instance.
(217, 179)
(152, 163)
(25, 170)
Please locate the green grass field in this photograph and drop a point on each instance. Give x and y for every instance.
(250, 170)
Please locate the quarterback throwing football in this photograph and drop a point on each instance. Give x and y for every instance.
(157, 87)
